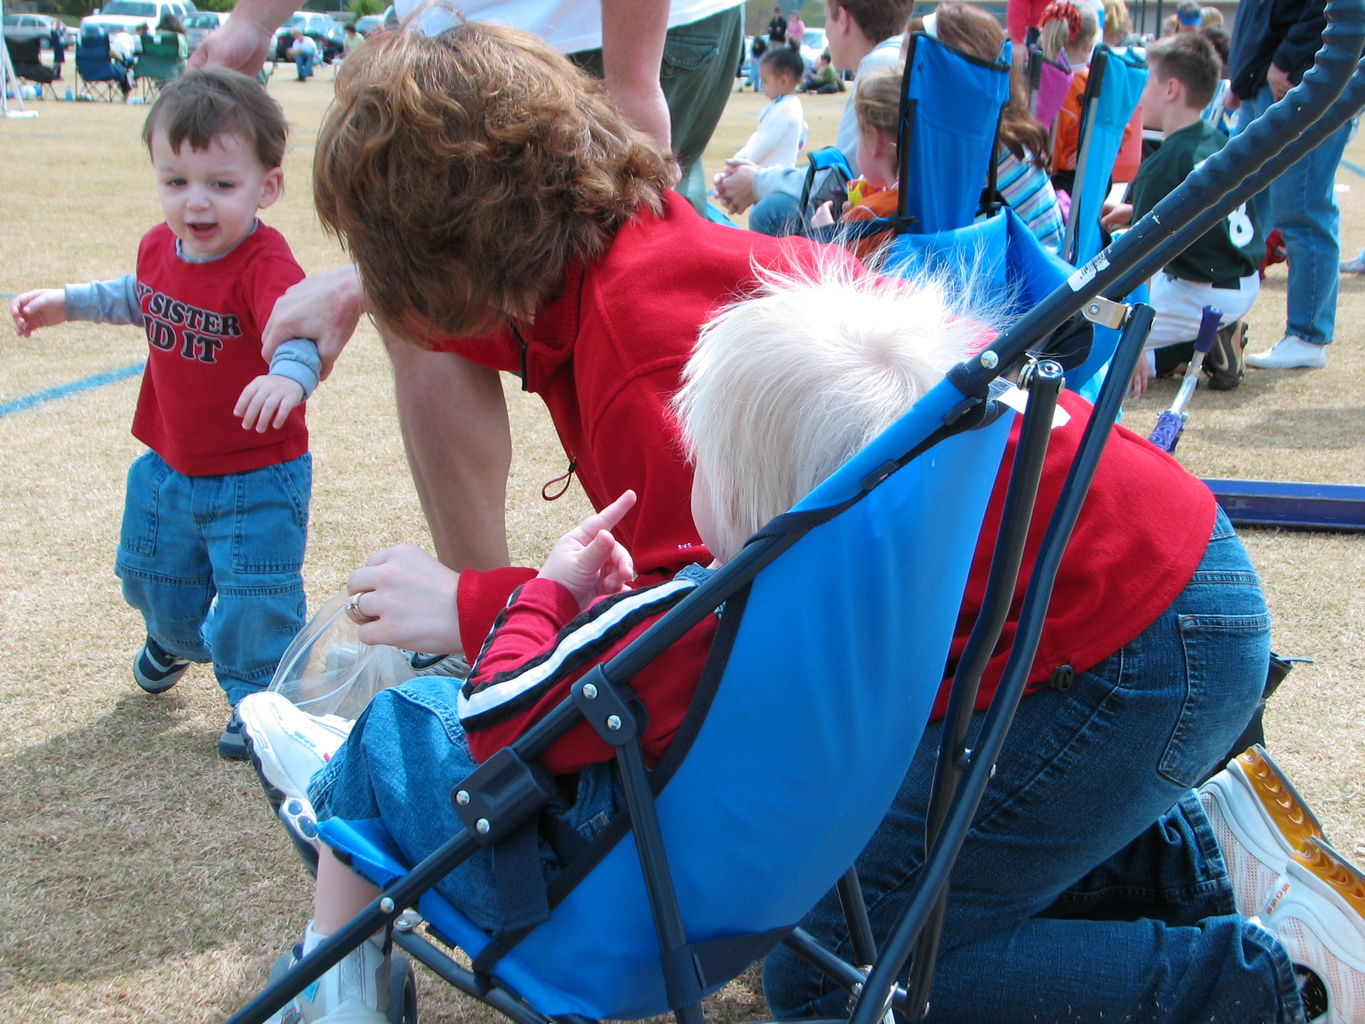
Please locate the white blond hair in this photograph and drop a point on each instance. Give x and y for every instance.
(786, 385)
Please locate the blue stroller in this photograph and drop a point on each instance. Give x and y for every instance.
(727, 843)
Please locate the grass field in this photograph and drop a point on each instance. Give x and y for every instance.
(143, 879)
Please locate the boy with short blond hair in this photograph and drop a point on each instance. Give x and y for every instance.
(216, 515)
(1220, 268)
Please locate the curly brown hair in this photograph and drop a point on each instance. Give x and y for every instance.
(465, 173)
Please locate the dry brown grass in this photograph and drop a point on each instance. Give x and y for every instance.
(141, 878)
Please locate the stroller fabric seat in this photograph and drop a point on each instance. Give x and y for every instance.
(823, 672)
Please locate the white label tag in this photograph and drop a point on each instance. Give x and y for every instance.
(1017, 399)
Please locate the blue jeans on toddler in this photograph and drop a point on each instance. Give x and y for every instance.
(214, 564)
(1091, 887)
(401, 764)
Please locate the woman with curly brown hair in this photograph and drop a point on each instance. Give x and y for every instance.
(504, 216)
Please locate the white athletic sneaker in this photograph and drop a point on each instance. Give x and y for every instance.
(1318, 914)
(1290, 353)
(288, 747)
(453, 665)
(1260, 822)
(355, 991)
(1355, 265)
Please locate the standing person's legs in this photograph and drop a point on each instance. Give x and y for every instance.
(1302, 204)
(697, 78)
(1086, 771)
(697, 75)
(459, 447)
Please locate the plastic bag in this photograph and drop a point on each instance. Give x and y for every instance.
(328, 671)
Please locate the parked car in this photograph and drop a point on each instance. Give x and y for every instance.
(23, 27)
(813, 45)
(129, 14)
(369, 23)
(201, 23)
(321, 28)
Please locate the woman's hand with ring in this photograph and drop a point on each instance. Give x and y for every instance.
(406, 598)
(354, 613)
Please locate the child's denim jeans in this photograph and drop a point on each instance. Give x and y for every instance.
(214, 563)
(401, 764)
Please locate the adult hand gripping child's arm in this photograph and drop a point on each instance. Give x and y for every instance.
(588, 561)
(43, 307)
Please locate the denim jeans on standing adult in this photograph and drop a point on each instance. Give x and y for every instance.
(401, 763)
(214, 563)
(1302, 203)
(1091, 887)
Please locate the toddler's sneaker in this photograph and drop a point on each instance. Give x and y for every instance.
(355, 991)
(454, 665)
(287, 747)
(1260, 822)
(1355, 265)
(1290, 353)
(157, 669)
(231, 746)
(1318, 914)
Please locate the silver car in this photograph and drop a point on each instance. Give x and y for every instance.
(200, 24)
(23, 27)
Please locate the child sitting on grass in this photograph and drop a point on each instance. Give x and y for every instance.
(216, 514)
(1220, 268)
(781, 125)
(758, 445)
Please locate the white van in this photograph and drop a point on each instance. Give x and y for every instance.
(129, 14)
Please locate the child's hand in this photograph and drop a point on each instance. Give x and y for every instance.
(1137, 384)
(824, 216)
(267, 402)
(588, 561)
(1118, 215)
(45, 307)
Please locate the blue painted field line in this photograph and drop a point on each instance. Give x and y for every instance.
(1353, 167)
(75, 387)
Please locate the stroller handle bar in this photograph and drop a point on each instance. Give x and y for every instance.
(1250, 161)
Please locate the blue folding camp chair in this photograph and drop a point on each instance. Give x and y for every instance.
(732, 837)
(96, 72)
(950, 116)
(1111, 95)
(946, 143)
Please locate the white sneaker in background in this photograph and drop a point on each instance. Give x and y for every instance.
(1290, 353)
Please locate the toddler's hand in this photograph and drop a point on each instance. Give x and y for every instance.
(44, 307)
(267, 401)
(824, 216)
(588, 561)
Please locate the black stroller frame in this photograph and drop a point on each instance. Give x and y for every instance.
(508, 788)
